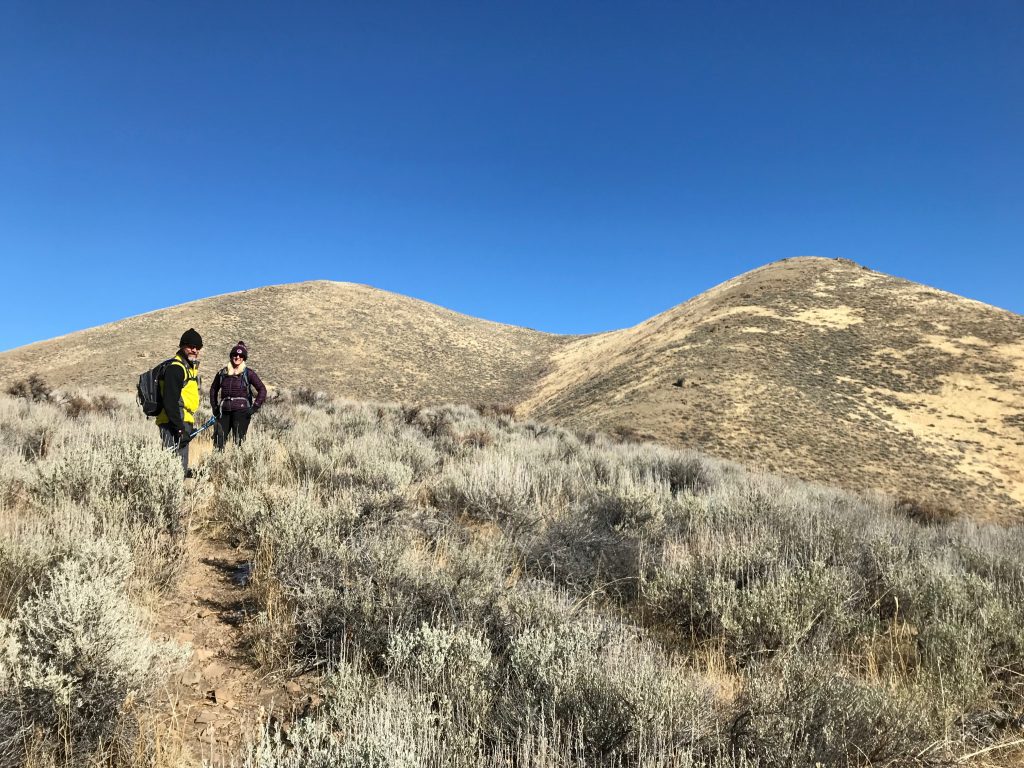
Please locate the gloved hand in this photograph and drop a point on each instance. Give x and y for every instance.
(184, 438)
(254, 410)
(216, 412)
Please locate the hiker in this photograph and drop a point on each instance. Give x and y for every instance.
(231, 396)
(179, 391)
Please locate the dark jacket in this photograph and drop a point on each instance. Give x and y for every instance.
(229, 393)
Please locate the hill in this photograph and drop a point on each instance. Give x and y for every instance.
(342, 338)
(822, 369)
(817, 368)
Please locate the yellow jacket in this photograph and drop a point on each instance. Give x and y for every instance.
(187, 400)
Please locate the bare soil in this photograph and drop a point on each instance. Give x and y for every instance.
(220, 699)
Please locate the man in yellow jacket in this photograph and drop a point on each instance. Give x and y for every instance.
(179, 390)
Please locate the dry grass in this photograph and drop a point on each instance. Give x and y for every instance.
(651, 607)
(815, 368)
(472, 590)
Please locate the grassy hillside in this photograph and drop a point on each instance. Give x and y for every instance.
(816, 368)
(345, 339)
(820, 369)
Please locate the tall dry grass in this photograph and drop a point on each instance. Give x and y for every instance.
(482, 591)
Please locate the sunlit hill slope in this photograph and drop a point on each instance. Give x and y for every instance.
(812, 367)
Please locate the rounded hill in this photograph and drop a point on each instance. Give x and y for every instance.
(811, 367)
(341, 338)
(822, 369)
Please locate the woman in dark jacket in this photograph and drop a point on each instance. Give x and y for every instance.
(231, 396)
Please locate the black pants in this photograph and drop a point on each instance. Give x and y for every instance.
(228, 421)
(169, 439)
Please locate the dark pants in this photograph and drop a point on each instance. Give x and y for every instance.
(169, 439)
(231, 421)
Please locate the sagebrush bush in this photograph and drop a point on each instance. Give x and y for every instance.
(31, 429)
(92, 521)
(617, 692)
(489, 486)
(364, 723)
(33, 388)
(807, 710)
(76, 657)
(451, 666)
(542, 595)
(77, 405)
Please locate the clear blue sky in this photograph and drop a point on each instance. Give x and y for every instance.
(571, 167)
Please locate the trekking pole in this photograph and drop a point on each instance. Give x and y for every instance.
(209, 423)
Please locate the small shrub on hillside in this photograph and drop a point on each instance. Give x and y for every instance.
(681, 471)
(142, 483)
(451, 666)
(15, 478)
(77, 406)
(926, 511)
(629, 505)
(494, 410)
(490, 486)
(133, 494)
(308, 396)
(363, 723)
(33, 388)
(586, 557)
(33, 544)
(617, 692)
(794, 607)
(384, 581)
(273, 420)
(625, 433)
(31, 430)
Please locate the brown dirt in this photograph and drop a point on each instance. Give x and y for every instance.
(219, 700)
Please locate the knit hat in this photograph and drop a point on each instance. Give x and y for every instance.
(191, 338)
(239, 349)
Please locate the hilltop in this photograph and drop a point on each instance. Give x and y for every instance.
(344, 339)
(816, 368)
(822, 369)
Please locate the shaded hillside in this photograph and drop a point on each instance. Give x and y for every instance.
(346, 339)
(822, 369)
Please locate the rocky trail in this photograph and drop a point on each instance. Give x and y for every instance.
(219, 698)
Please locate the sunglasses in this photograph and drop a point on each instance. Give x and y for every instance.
(234, 356)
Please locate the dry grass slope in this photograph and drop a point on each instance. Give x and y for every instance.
(816, 368)
(341, 338)
(821, 369)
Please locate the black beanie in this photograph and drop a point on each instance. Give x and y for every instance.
(239, 349)
(191, 338)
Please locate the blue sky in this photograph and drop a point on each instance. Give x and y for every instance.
(570, 167)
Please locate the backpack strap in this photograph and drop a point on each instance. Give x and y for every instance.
(248, 387)
(189, 371)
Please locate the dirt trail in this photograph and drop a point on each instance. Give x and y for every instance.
(219, 697)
